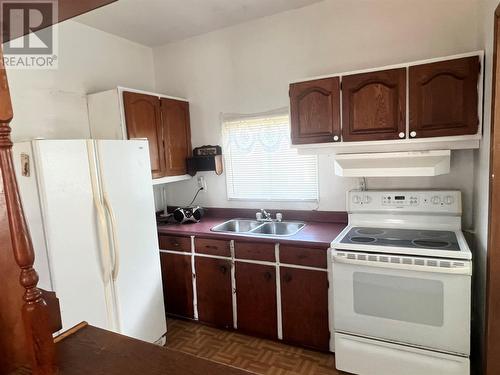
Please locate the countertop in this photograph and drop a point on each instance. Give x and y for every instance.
(315, 234)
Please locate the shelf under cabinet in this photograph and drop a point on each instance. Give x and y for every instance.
(170, 179)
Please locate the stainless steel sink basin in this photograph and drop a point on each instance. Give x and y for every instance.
(259, 228)
(284, 228)
(237, 226)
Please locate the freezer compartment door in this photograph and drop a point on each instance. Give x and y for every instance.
(69, 220)
(126, 183)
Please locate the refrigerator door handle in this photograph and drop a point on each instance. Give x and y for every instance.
(102, 228)
(116, 244)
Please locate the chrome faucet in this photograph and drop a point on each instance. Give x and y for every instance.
(266, 216)
(263, 215)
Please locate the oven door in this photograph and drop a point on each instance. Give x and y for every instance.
(414, 301)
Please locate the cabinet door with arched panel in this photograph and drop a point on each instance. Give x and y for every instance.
(374, 105)
(315, 111)
(143, 119)
(444, 98)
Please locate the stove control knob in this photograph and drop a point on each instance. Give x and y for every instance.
(449, 200)
(356, 199)
(435, 200)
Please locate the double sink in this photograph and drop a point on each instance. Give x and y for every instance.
(259, 228)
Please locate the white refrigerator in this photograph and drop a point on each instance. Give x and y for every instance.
(90, 210)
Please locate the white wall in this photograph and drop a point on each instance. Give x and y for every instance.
(247, 68)
(52, 104)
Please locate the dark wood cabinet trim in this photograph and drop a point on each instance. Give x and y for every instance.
(66, 9)
(491, 365)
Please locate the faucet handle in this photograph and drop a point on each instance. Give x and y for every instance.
(258, 215)
(279, 216)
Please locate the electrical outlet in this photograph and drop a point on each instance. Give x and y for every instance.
(202, 183)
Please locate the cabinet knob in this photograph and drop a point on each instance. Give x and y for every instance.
(336, 138)
(268, 276)
(402, 135)
(287, 278)
(413, 134)
(223, 269)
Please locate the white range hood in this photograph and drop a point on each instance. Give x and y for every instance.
(393, 164)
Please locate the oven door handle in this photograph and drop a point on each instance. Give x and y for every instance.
(455, 267)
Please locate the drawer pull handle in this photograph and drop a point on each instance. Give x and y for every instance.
(213, 247)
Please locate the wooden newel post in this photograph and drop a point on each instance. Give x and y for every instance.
(39, 342)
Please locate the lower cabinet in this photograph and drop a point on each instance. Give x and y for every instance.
(304, 305)
(246, 283)
(256, 299)
(214, 291)
(177, 276)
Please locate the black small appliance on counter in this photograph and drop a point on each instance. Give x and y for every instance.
(188, 214)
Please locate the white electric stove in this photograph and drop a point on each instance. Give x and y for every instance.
(402, 285)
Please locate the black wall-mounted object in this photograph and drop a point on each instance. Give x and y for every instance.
(206, 158)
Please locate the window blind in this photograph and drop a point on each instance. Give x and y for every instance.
(261, 165)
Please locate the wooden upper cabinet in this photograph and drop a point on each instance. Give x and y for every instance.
(143, 119)
(374, 105)
(177, 135)
(444, 98)
(315, 111)
(165, 123)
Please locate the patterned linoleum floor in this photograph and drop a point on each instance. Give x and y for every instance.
(248, 353)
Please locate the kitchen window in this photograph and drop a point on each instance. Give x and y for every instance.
(260, 163)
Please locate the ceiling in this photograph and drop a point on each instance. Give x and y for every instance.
(157, 22)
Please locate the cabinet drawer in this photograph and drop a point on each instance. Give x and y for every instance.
(303, 256)
(175, 243)
(212, 247)
(255, 251)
